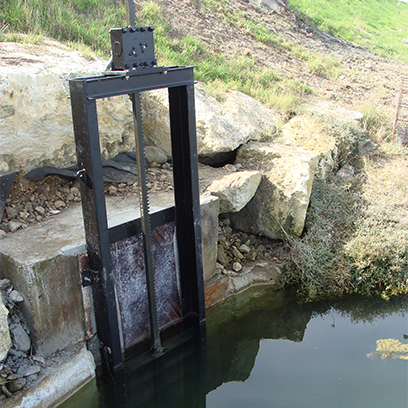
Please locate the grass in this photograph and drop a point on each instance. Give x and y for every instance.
(80, 21)
(379, 25)
(356, 232)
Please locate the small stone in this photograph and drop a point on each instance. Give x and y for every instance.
(16, 384)
(244, 249)
(346, 171)
(230, 168)
(236, 266)
(112, 190)
(24, 214)
(21, 339)
(122, 186)
(39, 359)
(70, 197)
(54, 212)
(14, 225)
(26, 371)
(16, 297)
(228, 230)
(38, 218)
(11, 212)
(251, 256)
(29, 208)
(236, 253)
(74, 191)
(222, 256)
(40, 210)
(166, 166)
(261, 248)
(239, 166)
(2, 234)
(59, 205)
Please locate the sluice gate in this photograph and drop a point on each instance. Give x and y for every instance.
(146, 274)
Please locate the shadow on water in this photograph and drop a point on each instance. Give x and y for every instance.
(225, 351)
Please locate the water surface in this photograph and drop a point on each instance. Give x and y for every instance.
(264, 349)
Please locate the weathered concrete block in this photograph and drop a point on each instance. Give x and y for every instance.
(52, 299)
(41, 262)
(210, 207)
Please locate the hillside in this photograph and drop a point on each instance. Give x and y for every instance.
(317, 64)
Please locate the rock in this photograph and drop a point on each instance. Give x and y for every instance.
(40, 210)
(222, 256)
(279, 206)
(155, 155)
(5, 340)
(11, 212)
(21, 340)
(14, 225)
(236, 253)
(16, 384)
(221, 127)
(235, 189)
(346, 171)
(59, 205)
(16, 297)
(244, 249)
(4, 284)
(308, 133)
(36, 120)
(2, 233)
(26, 371)
(112, 190)
(75, 191)
(367, 146)
(236, 266)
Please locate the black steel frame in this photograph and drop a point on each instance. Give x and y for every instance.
(186, 212)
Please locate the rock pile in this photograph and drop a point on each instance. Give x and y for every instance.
(18, 366)
(237, 249)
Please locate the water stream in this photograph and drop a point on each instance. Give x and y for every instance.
(264, 349)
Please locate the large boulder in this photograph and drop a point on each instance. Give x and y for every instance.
(279, 206)
(308, 132)
(35, 111)
(221, 127)
(235, 189)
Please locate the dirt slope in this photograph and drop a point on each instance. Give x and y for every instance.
(365, 78)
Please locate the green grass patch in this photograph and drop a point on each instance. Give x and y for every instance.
(379, 25)
(80, 21)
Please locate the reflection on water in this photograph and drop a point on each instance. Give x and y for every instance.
(263, 349)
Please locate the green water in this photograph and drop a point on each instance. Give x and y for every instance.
(263, 349)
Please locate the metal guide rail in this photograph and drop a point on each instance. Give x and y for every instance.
(185, 214)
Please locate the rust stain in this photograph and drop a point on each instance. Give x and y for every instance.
(215, 290)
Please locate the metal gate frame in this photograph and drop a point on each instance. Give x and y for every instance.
(186, 213)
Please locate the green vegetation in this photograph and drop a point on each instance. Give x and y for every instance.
(356, 232)
(83, 22)
(379, 25)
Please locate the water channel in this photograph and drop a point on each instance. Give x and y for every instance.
(265, 349)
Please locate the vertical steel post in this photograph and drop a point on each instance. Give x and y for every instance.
(95, 222)
(188, 224)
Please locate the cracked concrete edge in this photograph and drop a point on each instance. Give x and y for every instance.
(62, 381)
